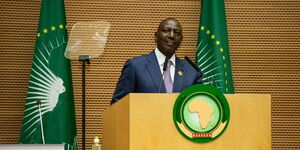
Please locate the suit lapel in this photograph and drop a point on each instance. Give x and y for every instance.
(154, 71)
(179, 76)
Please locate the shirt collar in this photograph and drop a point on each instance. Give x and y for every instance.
(161, 57)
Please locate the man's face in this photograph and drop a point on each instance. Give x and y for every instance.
(168, 37)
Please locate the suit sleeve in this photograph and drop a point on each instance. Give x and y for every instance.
(126, 83)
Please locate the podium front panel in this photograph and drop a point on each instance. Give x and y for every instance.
(150, 124)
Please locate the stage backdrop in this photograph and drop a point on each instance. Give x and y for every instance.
(264, 41)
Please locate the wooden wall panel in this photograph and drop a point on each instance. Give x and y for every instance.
(264, 37)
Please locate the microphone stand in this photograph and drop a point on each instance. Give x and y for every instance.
(164, 70)
(84, 59)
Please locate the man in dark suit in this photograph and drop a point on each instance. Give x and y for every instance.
(143, 74)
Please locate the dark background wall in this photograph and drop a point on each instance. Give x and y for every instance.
(264, 38)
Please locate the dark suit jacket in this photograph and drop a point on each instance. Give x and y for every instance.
(142, 75)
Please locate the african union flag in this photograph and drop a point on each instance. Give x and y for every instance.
(212, 54)
(49, 116)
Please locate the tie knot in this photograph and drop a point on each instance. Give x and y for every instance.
(169, 63)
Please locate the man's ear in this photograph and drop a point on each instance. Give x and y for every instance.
(155, 37)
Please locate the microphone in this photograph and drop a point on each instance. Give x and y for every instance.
(164, 70)
(192, 64)
(165, 64)
(198, 69)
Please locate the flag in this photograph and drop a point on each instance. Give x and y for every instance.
(49, 115)
(212, 54)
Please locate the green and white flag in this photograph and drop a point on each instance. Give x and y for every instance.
(212, 54)
(49, 116)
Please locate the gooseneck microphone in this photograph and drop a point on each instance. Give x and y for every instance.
(164, 70)
(198, 70)
(192, 64)
(165, 64)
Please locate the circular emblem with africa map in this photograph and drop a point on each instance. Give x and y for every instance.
(201, 113)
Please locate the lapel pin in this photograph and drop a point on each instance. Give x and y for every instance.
(180, 73)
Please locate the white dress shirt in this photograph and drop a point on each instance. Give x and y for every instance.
(161, 60)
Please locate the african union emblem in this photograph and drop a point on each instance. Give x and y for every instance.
(201, 113)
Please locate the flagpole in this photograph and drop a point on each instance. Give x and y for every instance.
(85, 59)
(39, 103)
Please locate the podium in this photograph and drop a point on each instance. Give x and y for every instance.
(145, 122)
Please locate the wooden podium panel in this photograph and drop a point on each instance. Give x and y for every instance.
(145, 122)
